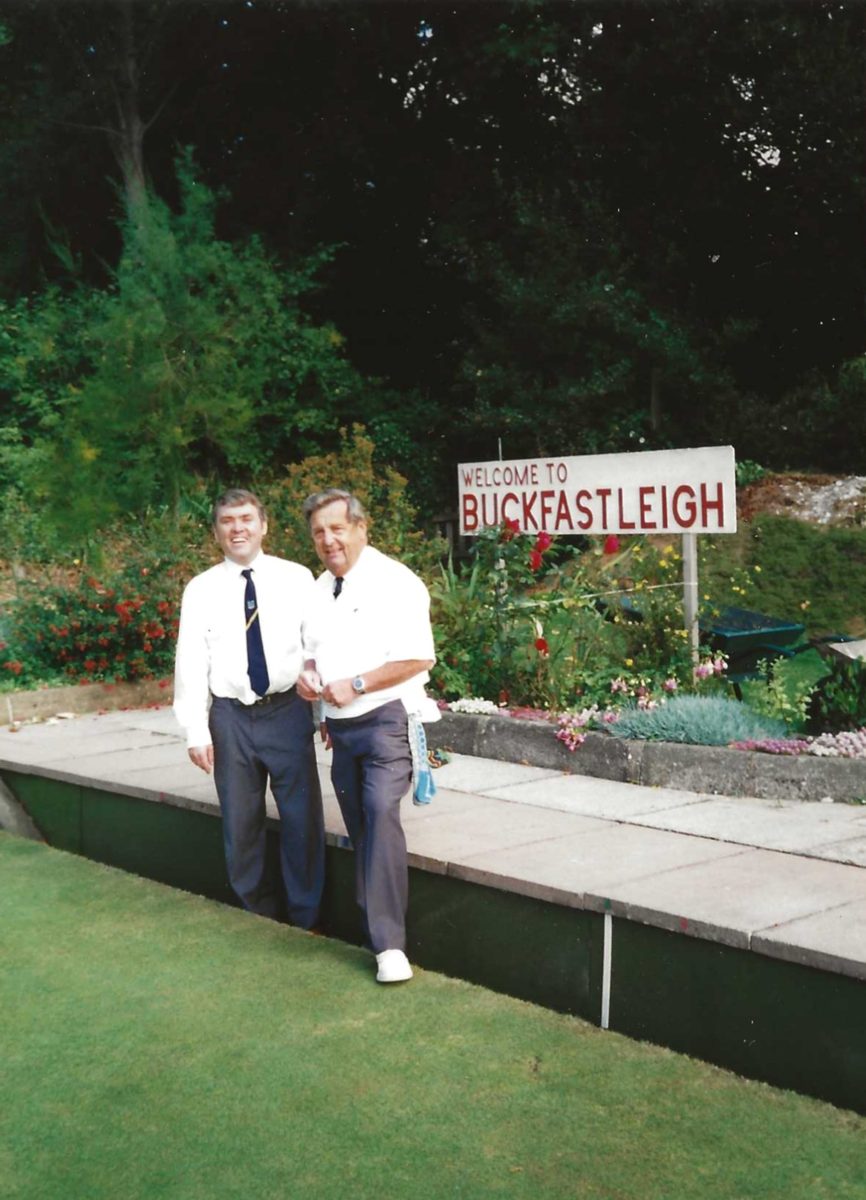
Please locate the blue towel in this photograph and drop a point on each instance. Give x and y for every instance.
(423, 787)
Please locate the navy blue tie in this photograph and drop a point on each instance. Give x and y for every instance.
(257, 668)
(338, 586)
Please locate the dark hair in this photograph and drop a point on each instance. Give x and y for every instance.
(234, 498)
(318, 500)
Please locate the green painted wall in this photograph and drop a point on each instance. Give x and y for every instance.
(789, 1025)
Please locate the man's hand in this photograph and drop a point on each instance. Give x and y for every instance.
(340, 693)
(309, 684)
(202, 756)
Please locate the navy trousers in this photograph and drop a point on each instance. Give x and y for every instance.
(252, 744)
(371, 773)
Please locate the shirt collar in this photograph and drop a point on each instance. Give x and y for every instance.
(233, 568)
(358, 570)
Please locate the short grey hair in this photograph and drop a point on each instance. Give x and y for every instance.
(234, 498)
(318, 500)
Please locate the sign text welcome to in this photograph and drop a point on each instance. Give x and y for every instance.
(656, 491)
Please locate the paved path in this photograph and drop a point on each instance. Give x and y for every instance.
(783, 878)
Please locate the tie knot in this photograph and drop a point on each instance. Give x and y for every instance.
(247, 574)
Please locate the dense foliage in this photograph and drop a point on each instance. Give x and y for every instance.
(568, 227)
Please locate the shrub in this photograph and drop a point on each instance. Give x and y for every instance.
(391, 515)
(699, 720)
(839, 699)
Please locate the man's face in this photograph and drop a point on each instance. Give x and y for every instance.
(338, 540)
(239, 532)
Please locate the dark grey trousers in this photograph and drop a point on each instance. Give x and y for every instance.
(371, 773)
(251, 744)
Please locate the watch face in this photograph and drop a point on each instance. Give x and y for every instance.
(358, 685)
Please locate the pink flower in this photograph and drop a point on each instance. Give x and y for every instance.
(534, 560)
(611, 544)
(719, 665)
(702, 670)
(670, 685)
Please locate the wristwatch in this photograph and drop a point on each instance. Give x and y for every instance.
(358, 686)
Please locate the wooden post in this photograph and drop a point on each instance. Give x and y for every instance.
(690, 592)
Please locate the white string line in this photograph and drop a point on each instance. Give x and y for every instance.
(650, 587)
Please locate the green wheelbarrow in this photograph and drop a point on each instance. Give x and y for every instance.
(747, 638)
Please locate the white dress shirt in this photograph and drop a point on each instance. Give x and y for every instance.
(212, 644)
(382, 615)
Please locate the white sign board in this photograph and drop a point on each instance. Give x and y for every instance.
(656, 491)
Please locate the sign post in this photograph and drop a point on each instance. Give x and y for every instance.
(683, 492)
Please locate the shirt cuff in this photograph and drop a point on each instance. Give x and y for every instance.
(199, 735)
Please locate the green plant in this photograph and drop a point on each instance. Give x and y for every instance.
(839, 699)
(700, 720)
(118, 625)
(780, 697)
(392, 518)
(749, 472)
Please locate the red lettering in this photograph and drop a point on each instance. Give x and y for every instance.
(645, 522)
(546, 507)
(623, 523)
(718, 504)
(563, 513)
(508, 496)
(582, 495)
(527, 511)
(664, 505)
(470, 512)
(690, 507)
(604, 493)
(467, 476)
(494, 503)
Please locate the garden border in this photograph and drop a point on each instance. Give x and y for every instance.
(710, 770)
(41, 703)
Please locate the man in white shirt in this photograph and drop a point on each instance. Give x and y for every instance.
(369, 647)
(239, 654)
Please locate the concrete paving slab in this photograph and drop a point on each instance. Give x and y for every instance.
(598, 859)
(834, 940)
(74, 751)
(593, 797)
(851, 851)
(481, 825)
(466, 774)
(729, 900)
(790, 825)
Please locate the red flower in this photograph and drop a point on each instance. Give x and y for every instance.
(90, 664)
(541, 646)
(543, 541)
(509, 528)
(611, 544)
(534, 560)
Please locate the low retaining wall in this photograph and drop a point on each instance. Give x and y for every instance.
(712, 770)
(82, 698)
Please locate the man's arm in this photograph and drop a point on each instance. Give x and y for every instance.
(191, 692)
(340, 692)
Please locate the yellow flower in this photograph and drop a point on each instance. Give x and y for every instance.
(706, 596)
(629, 662)
(758, 569)
(668, 550)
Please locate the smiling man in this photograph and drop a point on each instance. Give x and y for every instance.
(239, 655)
(369, 647)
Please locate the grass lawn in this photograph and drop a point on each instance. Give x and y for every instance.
(154, 1044)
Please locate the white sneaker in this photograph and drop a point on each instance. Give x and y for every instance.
(393, 967)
